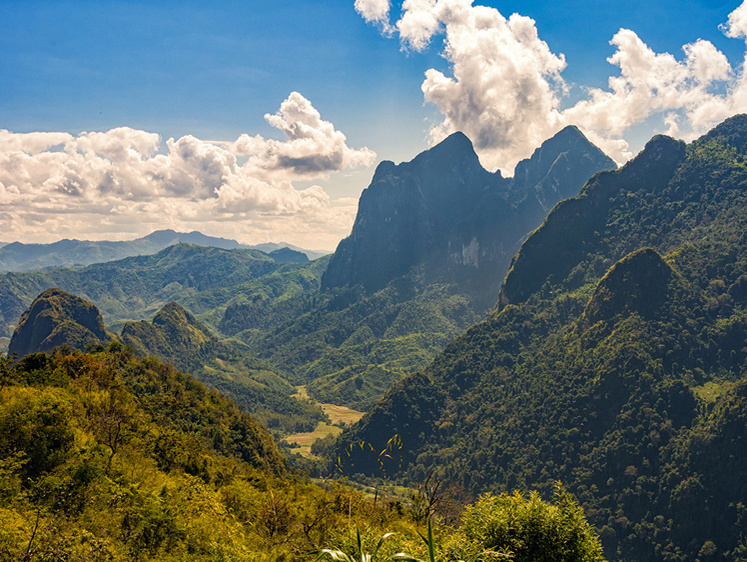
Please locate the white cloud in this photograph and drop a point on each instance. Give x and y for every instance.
(374, 11)
(313, 147)
(419, 22)
(502, 92)
(736, 26)
(56, 184)
(506, 91)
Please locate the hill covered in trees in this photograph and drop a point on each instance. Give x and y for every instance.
(431, 240)
(614, 361)
(55, 318)
(175, 336)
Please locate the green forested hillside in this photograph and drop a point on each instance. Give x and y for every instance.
(174, 335)
(56, 318)
(352, 346)
(431, 238)
(203, 279)
(616, 362)
(108, 457)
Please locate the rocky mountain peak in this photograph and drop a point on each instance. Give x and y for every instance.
(445, 212)
(55, 318)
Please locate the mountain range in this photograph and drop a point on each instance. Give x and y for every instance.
(431, 241)
(613, 358)
(349, 341)
(614, 361)
(461, 224)
(59, 318)
(135, 288)
(17, 256)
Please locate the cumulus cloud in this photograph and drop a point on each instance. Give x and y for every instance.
(374, 11)
(313, 146)
(70, 185)
(506, 92)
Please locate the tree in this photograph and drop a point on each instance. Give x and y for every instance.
(36, 425)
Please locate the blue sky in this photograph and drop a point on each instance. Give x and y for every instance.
(205, 73)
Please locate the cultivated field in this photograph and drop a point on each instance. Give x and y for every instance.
(338, 416)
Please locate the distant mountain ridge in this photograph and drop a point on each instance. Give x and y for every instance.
(432, 241)
(18, 256)
(134, 288)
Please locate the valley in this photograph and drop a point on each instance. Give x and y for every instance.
(475, 334)
(338, 417)
(373, 281)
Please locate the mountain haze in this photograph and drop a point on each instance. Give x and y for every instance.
(18, 256)
(135, 288)
(430, 243)
(444, 211)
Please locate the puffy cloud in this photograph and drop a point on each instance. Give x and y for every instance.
(736, 26)
(502, 91)
(506, 91)
(419, 22)
(652, 84)
(374, 11)
(313, 147)
(66, 185)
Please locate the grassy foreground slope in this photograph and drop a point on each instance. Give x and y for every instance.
(615, 362)
(108, 457)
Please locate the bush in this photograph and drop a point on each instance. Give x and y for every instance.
(531, 529)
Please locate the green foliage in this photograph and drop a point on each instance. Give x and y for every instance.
(55, 318)
(528, 529)
(176, 336)
(109, 457)
(359, 556)
(203, 279)
(431, 550)
(351, 346)
(36, 426)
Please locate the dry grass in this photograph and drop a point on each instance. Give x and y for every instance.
(337, 415)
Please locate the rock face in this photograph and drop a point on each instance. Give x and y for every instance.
(444, 211)
(55, 318)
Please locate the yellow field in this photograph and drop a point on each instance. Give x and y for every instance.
(337, 414)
